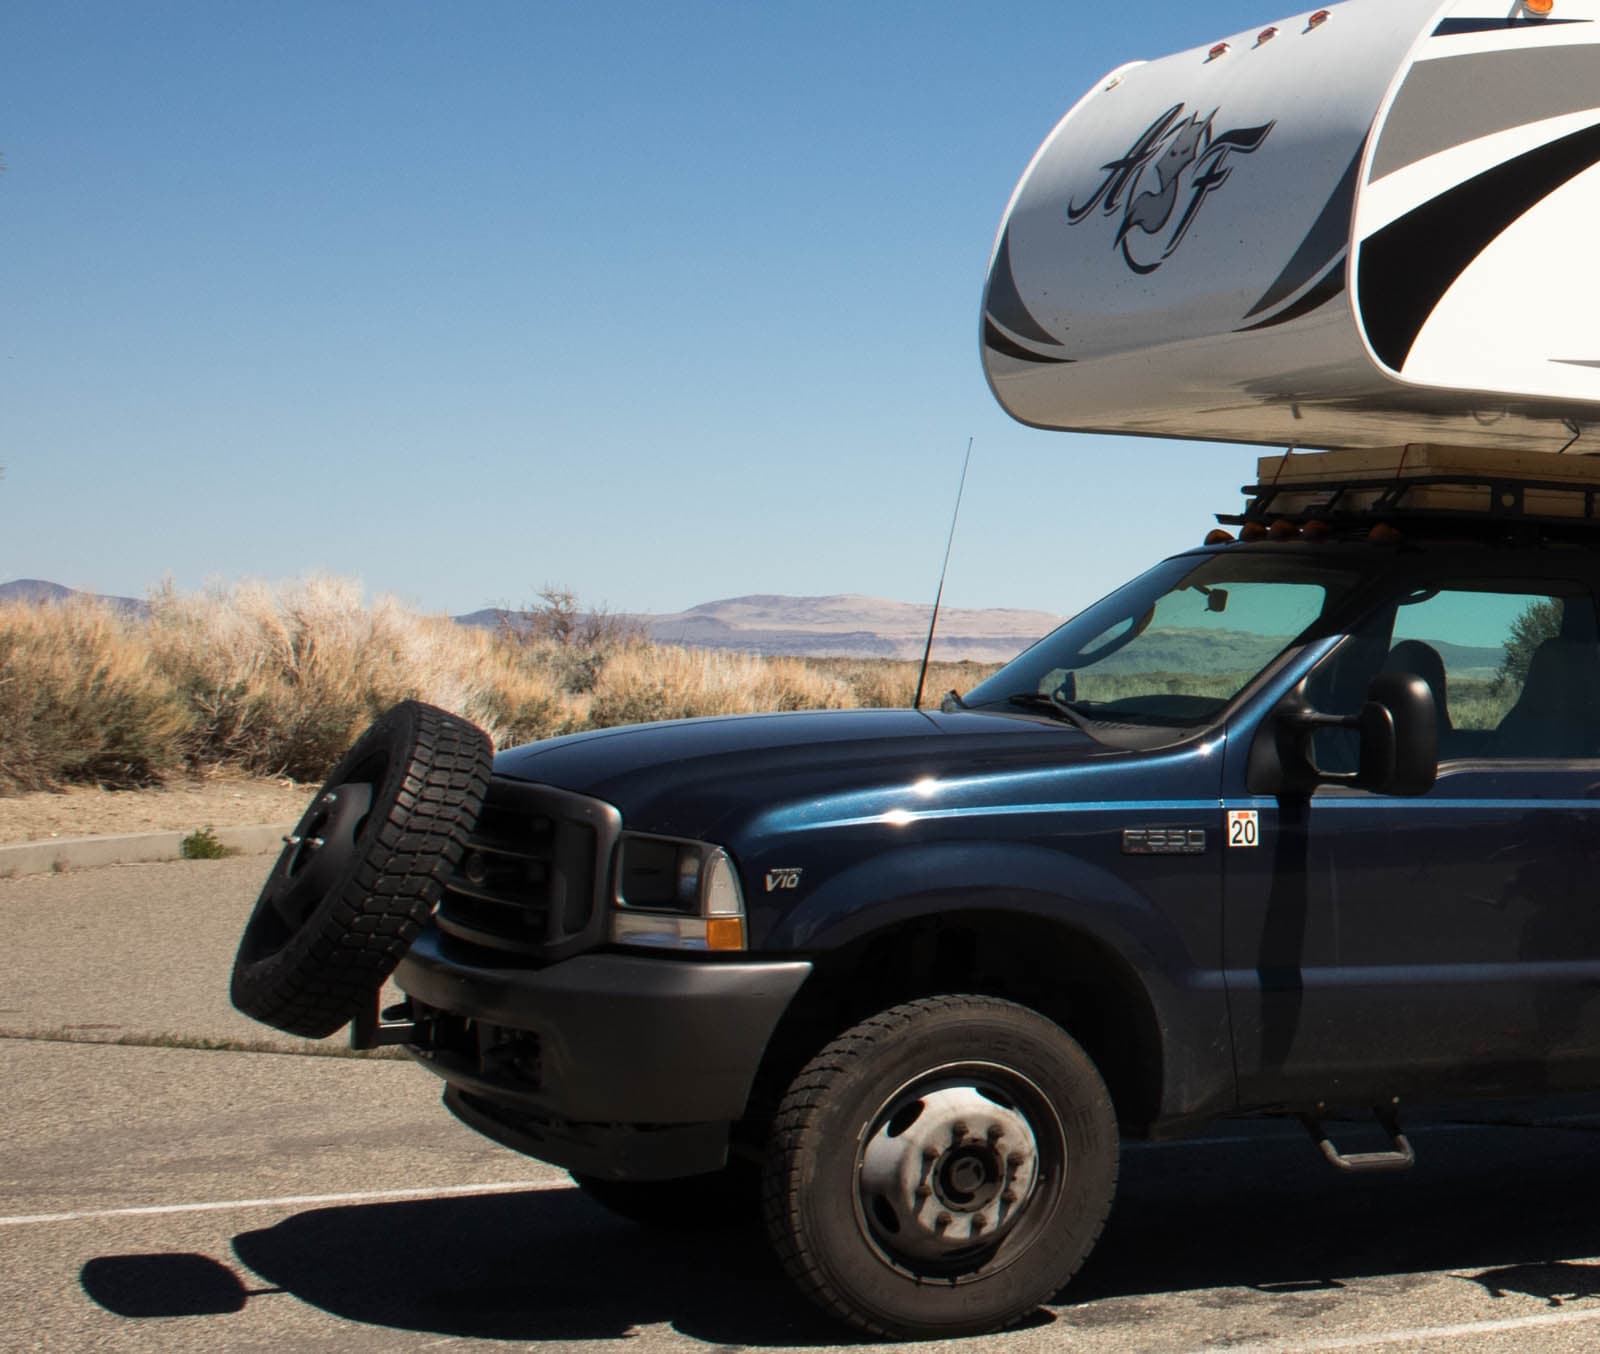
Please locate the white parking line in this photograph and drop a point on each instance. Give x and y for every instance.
(288, 1201)
(1300, 1345)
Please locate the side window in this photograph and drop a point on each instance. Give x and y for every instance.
(1515, 674)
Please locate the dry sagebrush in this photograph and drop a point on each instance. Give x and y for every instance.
(81, 700)
(279, 680)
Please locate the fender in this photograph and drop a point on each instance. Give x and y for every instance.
(1184, 990)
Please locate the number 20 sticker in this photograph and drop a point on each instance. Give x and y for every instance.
(1244, 827)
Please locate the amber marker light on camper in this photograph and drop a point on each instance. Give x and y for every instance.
(1539, 8)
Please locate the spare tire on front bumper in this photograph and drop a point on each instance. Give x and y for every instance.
(362, 871)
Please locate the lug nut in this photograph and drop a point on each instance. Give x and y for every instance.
(1014, 1160)
(995, 1134)
(979, 1222)
(958, 1130)
(941, 1222)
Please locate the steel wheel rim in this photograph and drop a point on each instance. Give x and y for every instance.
(958, 1170)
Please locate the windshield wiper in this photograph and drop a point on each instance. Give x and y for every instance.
(1039, 700)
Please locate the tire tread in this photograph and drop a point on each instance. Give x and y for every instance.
(353, 940)
(794, 1125)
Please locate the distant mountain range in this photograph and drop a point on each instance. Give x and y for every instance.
(845, 626)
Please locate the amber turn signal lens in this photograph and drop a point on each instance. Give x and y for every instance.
(724, 933)
(1252, 531)
(1539, 7)
(1217, 536)
(1317, 19)
(1283, 529)
(1384, 534)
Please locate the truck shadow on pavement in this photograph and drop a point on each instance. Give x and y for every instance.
(537, 1266)
(1507, 1208)
(1264, 1213)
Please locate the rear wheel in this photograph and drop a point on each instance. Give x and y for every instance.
(941, 1168)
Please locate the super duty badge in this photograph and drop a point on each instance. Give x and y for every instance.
(1163, 841)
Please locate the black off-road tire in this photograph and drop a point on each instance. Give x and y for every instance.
(362, 871)
(692, 1203)
(988, 1077)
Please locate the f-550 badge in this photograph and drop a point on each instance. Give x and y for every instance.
(1188, 159)
(1163, 841)
(782, 879)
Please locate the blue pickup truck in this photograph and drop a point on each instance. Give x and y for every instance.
(1285, 824)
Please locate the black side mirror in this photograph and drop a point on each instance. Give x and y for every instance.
(1399, 735)
(1399, 727)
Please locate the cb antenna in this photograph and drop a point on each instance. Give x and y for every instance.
(950, 540)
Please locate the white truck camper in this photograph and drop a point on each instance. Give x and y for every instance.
(1362, 226)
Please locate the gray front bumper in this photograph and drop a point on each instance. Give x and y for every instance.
(621, 1039)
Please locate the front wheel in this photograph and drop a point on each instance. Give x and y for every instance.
(942, 1168)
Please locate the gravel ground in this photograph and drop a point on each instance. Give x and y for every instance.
(181, 805)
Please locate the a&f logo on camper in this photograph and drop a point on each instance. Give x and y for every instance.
(1188, 161)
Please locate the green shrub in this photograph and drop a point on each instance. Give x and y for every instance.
(203, 844)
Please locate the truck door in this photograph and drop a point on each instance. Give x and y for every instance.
(1445, 944)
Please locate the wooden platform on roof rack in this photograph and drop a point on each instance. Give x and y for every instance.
(1426, 480)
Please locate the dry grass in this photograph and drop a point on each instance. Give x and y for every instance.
(279, 681)
(891, 683)
(642, 682)
(81, 699)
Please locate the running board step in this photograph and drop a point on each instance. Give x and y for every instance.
(1399, 1157)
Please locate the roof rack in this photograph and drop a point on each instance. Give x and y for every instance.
(1463, 498)
(1474, 491)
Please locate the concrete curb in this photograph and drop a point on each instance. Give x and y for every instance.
(84, 853)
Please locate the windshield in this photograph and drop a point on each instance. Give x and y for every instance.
(1174, 646)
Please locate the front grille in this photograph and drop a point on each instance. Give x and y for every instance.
(533, 880)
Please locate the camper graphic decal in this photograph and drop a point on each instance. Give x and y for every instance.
(1188, 161)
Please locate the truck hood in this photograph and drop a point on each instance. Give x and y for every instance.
(690, 777)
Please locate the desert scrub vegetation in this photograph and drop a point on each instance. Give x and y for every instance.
(279, 680)
(890, 683)
(641, 682)
(81, 699)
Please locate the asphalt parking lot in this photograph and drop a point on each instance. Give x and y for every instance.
(166, 1197)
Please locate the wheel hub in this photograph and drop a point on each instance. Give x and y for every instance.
(946, 1168)
(318, 851)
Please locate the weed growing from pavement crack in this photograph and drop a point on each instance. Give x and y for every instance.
(204, 844)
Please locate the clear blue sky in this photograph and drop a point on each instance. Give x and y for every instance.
(662, 302)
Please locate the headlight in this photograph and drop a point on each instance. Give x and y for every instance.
(680, 895)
